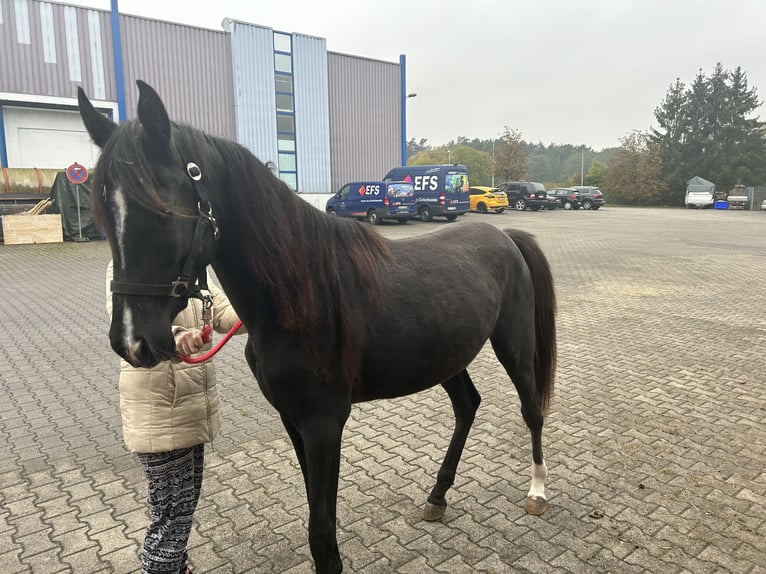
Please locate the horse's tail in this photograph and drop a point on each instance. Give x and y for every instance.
(545, 313)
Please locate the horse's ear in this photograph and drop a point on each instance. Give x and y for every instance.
(153, 117)
(98, 125)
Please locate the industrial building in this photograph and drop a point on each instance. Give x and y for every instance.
(322, 118)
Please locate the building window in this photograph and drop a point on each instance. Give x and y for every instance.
(283, 42)
(285, 103)
(286, 142)
(283, 63)
(284, 83)
(285, 108)
(286, 123)
(290, 179)
(286, 162)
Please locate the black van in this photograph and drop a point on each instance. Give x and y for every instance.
(440, 190)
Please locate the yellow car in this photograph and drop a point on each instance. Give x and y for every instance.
(484, 199)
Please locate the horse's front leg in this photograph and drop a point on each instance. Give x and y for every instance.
(465, 401)
(321, 437)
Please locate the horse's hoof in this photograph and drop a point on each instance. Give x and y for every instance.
(433, 512)
(535, 505)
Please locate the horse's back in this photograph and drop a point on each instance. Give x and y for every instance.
(442, 295)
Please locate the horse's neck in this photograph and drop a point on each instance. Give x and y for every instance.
(245, 291)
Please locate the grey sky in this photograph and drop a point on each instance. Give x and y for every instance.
(560, 71)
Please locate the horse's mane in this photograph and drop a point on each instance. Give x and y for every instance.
(311, 263)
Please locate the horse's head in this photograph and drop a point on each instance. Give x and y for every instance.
(150, 202)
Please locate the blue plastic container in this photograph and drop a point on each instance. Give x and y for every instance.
(722, 204)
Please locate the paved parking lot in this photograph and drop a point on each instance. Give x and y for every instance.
(656, 439)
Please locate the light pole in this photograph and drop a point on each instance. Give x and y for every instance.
(582, 165)
(493, 162)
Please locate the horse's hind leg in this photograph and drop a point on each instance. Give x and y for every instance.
(465, 401)
(518, 360)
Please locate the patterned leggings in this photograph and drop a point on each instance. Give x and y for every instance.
(175, 480)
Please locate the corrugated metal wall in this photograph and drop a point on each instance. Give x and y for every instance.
(50, 49)
(365, 129)
(312, 114)
(189, 67)
(346, 107)
(252, 56)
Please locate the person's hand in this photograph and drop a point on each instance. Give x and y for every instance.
(189, 341)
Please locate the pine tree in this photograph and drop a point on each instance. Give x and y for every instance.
(708, 130)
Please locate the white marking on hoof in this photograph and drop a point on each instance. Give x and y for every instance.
(537, 488)
(535, 505)
(536, 502)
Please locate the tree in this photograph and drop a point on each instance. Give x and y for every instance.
(596, 173)
(635, 174)
(414, 147)
(708, 130)
(479, 163)
(511, 156)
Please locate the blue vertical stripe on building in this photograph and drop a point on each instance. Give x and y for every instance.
(3, 148)
(118, 74)
(403, 89)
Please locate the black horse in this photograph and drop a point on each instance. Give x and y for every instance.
(335, 313)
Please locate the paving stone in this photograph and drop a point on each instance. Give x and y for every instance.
(657, 422)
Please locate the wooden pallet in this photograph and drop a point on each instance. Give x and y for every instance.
(21, 229)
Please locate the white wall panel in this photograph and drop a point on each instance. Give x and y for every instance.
(312, 114)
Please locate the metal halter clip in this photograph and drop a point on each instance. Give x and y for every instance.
(179, 288)
(209, 216)
(207, 309)
(194, 171)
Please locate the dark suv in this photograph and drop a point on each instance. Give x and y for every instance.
(525, 194)
(590, 197)
(567, 198)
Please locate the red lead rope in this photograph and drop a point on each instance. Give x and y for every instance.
(206, 333)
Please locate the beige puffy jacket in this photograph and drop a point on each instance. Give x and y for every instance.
(174, 404)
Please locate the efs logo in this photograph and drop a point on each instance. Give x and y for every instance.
(426, 182)
(369, 190)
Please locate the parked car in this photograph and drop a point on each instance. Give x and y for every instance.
(565, 197)
(374, 201)
(525, 194)
(763, 205)
(484, 199)
(590, 197)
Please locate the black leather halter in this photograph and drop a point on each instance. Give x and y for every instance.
(185, 285)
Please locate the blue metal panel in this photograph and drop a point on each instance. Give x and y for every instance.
(252, 56)
(403, 105)
(117, 51)
(3, 145)
(312, 114)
